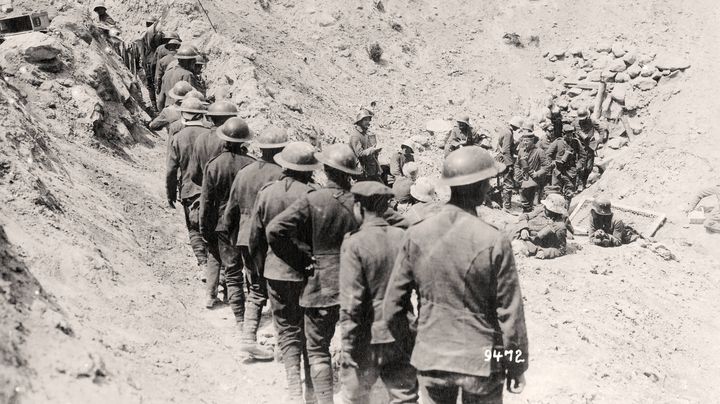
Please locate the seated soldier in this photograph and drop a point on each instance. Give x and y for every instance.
(605, 230)
(401, 187)
(543, 235)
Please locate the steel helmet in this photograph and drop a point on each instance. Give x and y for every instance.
(99, 4)
(409, 144)
(410, 168)
(602, 206)
(583, 113)
(196, 94)
(171, 35)
(234, 130)
(516, 121)
(186, 53)
(364, 113)
(463, 119)
(340, 157)
(272, 138)
(469, 165)
(180, 90)
(298, 156)
(222, 108)
(201, 59)
(192, 106)
(370, 189)
(528, 125)
(423, 190)
(556, 203)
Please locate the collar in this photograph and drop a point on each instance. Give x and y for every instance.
(195, 123)
(359, 130)
(449, 207)
(373, 221)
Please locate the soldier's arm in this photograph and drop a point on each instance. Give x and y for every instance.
(618, 228)
(208, 208)
(544, 165)
(194, 165)
(396, 305)
(395, 169)
(282, 233)
(396, 219)
(160, 121)
(356, 146)
(507, 147)
(231, 215)
(510, 312)
(560, 233)
(352, 290)
(258, 244)
(171, 181)
(704, 193)
(159, 72)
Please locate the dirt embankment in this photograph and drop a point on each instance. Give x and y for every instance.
(83, 200)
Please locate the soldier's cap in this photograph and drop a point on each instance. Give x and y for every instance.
(568, 128)
(371, 189)
(463, 119)
(235, 130)
(410, 168)
(192, 106)
(298, 156)
(272, 138)
(602, 206)
(408, 143)
(516, 121)
(556, 203)
(423, 190)
(174, 42)
(180, 90)
(527, 134)
(583, 113)
(528, 125)
(364, 113)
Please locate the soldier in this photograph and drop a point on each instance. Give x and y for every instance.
(364, 145)
(398, 161)
(217, 179)
(462, 135)
(200, 63)
(423, 194)
(367, 257)
(307, 236)
(605, 229)
(175, 126)
(469, 298)
(564, 152)
(164, 62)
(209, 145)
(285, 284)
(183, 71)
(179, 156)
(531, 167)
(506, 153)
(235, 237)
(589, 136)
(543, 234)
(103, 17)
(171, 113)
(401, 187)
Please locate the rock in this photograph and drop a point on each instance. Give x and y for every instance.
(324, 19)
(575, 50)
(41, 53)
(617, 143)
(618, 50)
(595, 75)
(617, 66)
(665, 72)
(553, 58)
(636, 126)
(549, 76)
(657, 74)
(422, 140)
(632, 101)
(633, 71)
(562, 103)
(629, 58)
(607, 75)
(604, 48)
(575, 91)
(558, 52)
(619, 92)
(666, 62)
(622, 77)
(645, 83)
(581, 76)
(605, 107)
(288, 99)
(615, 110)
(647, 70)
(645, 59)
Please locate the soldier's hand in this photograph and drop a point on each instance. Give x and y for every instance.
(515, 384)
(524, 234)
(347, 361)
(310, 269)
(171, 203)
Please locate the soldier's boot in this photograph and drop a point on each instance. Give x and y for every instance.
(248, 338)
(323, 382)
(294, 381)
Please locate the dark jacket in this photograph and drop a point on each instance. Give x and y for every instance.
(419, 211)
(611, 226)
(458, 138)
(397, 163)
(248, 182)
(219, 175)
(172, 77)
(401, 189)
(532, 164)
(179, 156)
(272, 200)
(469, 298)
(207, 146)
(323, 217)
(507, 147)
(567, 156)
(168, 115)
(162, 66)
(160, 52)
(545, 233)
(359, 143)
(366, 261)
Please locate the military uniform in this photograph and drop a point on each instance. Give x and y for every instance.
(545, 234)
(285, 283)
(531, 168)
(360, 142)
(217, 179)
(180, 153)
(506, 154)
(366, 261)
(162, 66)
(589, 138)
(207, 146)
(168, 115)
(236, 225)
(169, 79)
(568, 157)
(613, 228)
(401, 189)
(322, 217)
(396, 166)
(469, 303)
(458, 138)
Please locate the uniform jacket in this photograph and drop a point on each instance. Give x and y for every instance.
(458, 137)
(421, 210)
(323, 217)
(207, 146)
(245, 187)
(507, 147)
(168, 115)
(545, 233)
(537, 167)
(179, 156)
(610, 225)
(160, 52)
(401, 189)
(367, 258)
(217, 179)
(172, 77)
(468, 290)
(360, 142)
(397, 163)
(568, 157)
(272, 200)
(162, 66)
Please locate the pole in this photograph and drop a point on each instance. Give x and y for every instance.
(206, 15)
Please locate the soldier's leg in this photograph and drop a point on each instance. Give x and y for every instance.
(234, 279)
(508, 186)
(398, 375)
(437, 389)
(487, 391)
(256, 300)
(288, 321)
(357, 382)
(527, 197)
(319, 330)
(196, 241)
(212, 273)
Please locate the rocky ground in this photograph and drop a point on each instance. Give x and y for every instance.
(98, 300)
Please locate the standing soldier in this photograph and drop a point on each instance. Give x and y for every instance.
(364, 145)
(180, 154)
(470, 308)
(564, 153)
(235, 237)
(462, 135)
(589, 137)
(176, 126)
(219, 175)
(285, 284)
(183, 71)
(171, 113)
(209, 145)
(103, 17)
(308, 236)
(507, 151)
(369, 350)
(531, 168)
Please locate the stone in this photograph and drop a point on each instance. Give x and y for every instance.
(657, 74)
(549, 76)
(632, 101)
(288, 99)
(617, 66)
(575, 50)
(667, 62)
(603, 48)
(581, 76)
(562, 103)
(618, 93)
(595, 75)
(607, 75)
(645, 83)
(615, 110)
(629, 58)
(553, 58)
(558, 52)
(647, 70)
(605, 107)
(618, 50)
(633, 71)
(41, 53)
(636, 126)
(575, 91)
(324, 19)
(622, 77)
(665, 72)
(617, 143)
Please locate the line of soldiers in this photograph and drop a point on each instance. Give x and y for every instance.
(262, 229)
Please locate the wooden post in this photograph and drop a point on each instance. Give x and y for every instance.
(599, 100)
